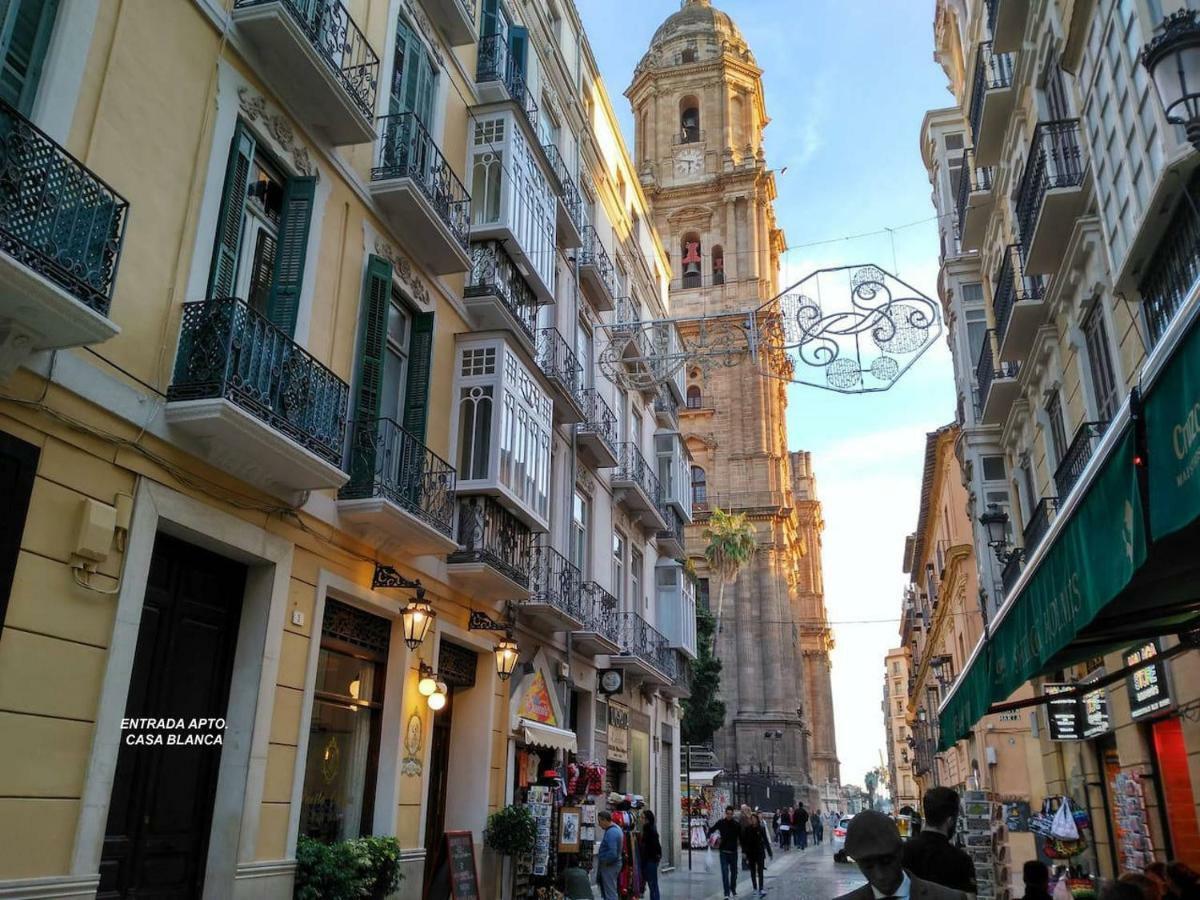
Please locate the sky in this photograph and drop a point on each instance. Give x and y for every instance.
(847, 84)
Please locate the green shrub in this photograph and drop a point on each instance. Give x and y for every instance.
(511, 831)
(359, 869)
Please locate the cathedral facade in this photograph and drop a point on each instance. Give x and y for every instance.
(699, 115)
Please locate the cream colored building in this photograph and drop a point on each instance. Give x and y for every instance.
(289, 292)
(895, 720)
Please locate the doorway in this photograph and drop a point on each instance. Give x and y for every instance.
(439, 771)
(156, 838)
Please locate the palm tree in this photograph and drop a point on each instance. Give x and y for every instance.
(730, 548)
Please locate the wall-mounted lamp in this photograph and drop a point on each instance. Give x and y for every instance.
(418, 615)
(507, 652)
(432, 688)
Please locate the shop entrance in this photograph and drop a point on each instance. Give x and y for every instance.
(1176, 780)
(156, 839)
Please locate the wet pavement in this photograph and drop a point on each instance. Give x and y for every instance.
(796, 875)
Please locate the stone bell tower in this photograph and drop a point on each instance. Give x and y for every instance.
(699, 117)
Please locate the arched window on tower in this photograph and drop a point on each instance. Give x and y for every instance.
(695, 399)
(699, 488)
(689, 120)
(692, 260)
(718, 264)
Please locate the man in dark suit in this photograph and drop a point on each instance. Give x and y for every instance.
(930, 855)
(874, 841)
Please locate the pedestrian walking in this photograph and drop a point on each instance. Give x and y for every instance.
(608, 857)
(818, 827)
(728, 840)
(874, 841)
(785, 829)
(800, 826)
(650, 853)
(930, 855)
(1037, 880)
(755, 847)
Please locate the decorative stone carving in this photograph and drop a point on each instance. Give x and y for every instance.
(405, 270)
(585, 481)
(255, 107)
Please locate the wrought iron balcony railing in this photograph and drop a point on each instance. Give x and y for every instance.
(386, 461)
(1039, 523)
(972, 179)
(675, 526)
(592, 253)
(557, 360)
(1012, 570)
(495, 274)
(571, 197)
(1174, 268)
(602, 611)
(1012, 286)
(1075, 460)
(985, 367)
(598, 417)
(338, 41)
(639, 638)
(554, 581)
(992, 72)
(56, 216)
(228, 350)
(632, 466)
(495, 64)
(1055, 161)
(668, 662)
(488, 533)
(992, 6)
(666, 404)
(627, 313)
(407, 150)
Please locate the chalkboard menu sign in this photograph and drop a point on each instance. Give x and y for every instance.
(460, 851)
(1148, 690)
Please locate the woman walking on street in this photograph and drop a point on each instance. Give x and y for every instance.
(785, 829)
(650, 853)
(818, 827)
(756, 845)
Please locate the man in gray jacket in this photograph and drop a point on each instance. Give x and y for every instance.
(874, 841)
(608, 855)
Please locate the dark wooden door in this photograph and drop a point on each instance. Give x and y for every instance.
(439, 770)
(156, 841)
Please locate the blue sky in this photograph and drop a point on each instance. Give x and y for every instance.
(847, 83)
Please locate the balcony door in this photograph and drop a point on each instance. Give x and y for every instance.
(25, 28)
(414, 76)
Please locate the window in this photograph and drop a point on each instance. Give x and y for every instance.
(895, 667)
(693, 260)
(580, 515)
(18, 465)
(583, 352)
(622, 416)
(618, 567)
(699, 487)
(1031, 496)
(1058, 428)
(718, 265)
(976, 320)
(993, 468)
(1104, 382)
(702, 593)
(636, 572)
(25, 27)
(694, 398)
(414, 76)
(343, 738)
(954, 168)
(689, 120)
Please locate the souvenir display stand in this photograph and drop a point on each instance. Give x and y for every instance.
(1134, 846)
(1064, 857)
(983, 834)
(697, 812)
(626, 811)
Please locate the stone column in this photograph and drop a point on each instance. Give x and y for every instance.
(732, 264)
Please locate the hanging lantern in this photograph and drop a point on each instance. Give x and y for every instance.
(417, 618)
(506, 658)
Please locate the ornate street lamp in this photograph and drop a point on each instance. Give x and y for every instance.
(995, 520)
(922, 715)
(943, 668)
(418, 615)
(507, 652)
(1173, 60)
(506, 657)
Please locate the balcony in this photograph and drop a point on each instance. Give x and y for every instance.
(666, 409)
(316, 59)
(556, 600)
(597, 433)
(401, 494)
(641, 650)
(498, 297)
(259, 405)
(1018, 303)
(455, 19)
(1006, 22)
(497, 79)
(1172, 272)
(637, 487)
(571, 222)
(600, 632)
(422, 198)
(974, 201)
(997, 383)
(1012, 570)
(671, 540)
(991, 102)
(678, 669)
(1051, 194)
(495, 552)
(1039, 523)
(1075, 460)
(61, 233)
(675, 606)
(597, 277)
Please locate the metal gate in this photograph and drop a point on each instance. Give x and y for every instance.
(667, 814)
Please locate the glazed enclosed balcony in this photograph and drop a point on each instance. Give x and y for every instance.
(1006, 22)
(674, 472)
(597, 432)
(495, 551)
(564, 375)
(1051, 194)
(1039, 523)
(668, 343)
(636, 486)
(996, 383)
(400, 495)
(991, 102)
(498, 297)
(61, 234)
(556, 600)
(454, 18)
(600, 632)
(597, 276)
(571, 221)
(1077, 457)
(642, 648)
(258, 405)
(672, 540)
(314, 56)
(974, 202)
(423, 200)
(1018, 304)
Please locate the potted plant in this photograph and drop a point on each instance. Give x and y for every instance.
(359, 869)
(510, 831)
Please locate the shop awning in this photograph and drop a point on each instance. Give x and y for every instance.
(1099, 582)
(535, 734)
(703, 778)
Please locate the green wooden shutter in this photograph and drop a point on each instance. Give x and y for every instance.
(416, 391)
(223, 275)
(518, 49)
(25, 29)
(489, 18)
(372, 339)
(288, 278)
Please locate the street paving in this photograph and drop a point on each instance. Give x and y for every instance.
(796, 875)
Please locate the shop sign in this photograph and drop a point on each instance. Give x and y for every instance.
(1094, 713)
(1148, 689)
(1173, 440)
(536, 704)
(618, 733)
(1062, 710)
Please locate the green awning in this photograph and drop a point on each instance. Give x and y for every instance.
(1173, 440)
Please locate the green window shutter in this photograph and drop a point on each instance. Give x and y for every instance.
(416, 392)
(372, 338)
(223, 275)
(489, 18)
(25, 29)
(284, 301)
(518, 49)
